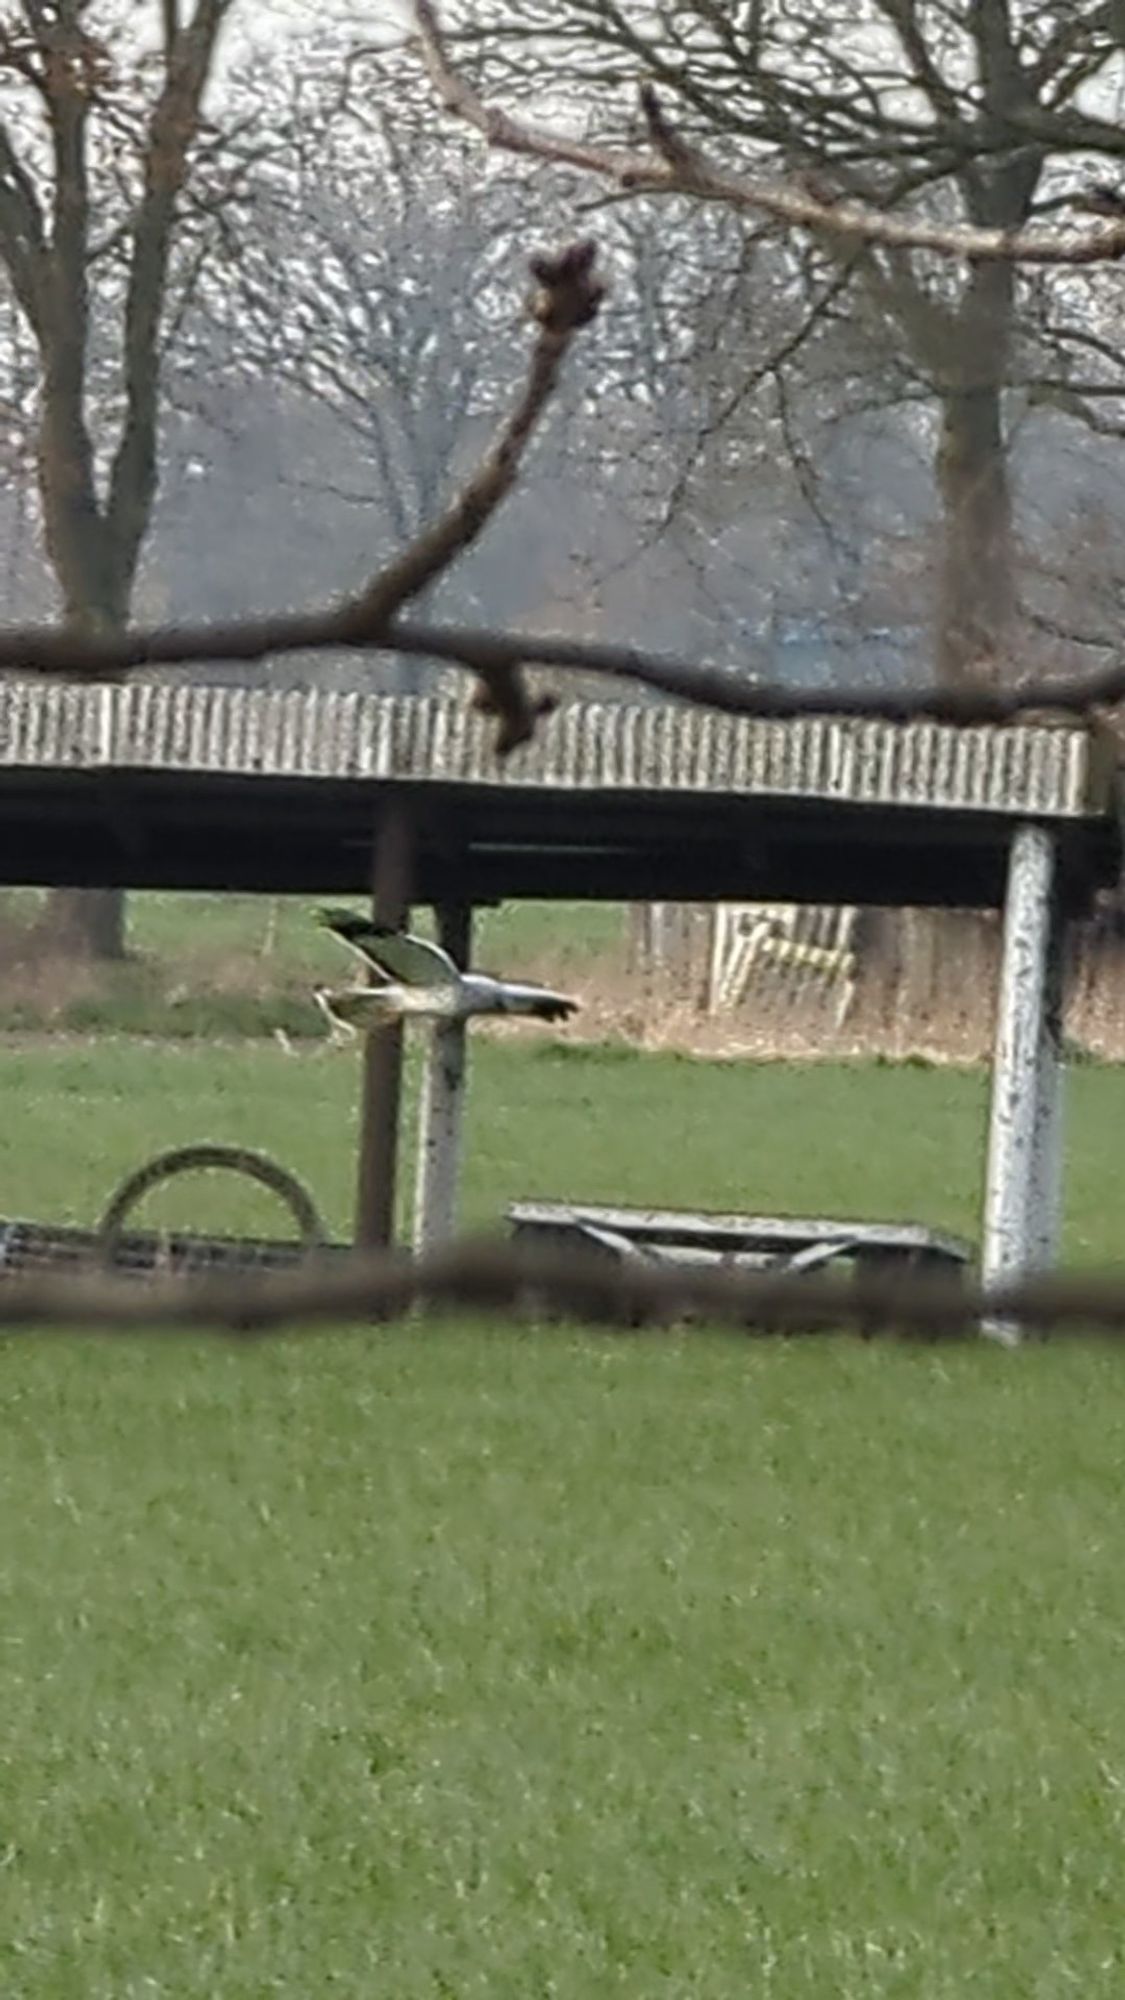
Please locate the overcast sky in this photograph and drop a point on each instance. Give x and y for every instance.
(255, 18)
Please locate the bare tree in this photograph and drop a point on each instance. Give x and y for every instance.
(970, 121)
(377, 281)
(918, 146)
(112, 178)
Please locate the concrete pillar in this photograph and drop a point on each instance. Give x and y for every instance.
(1023, 1183)
(381, 1090)
(438, 1168)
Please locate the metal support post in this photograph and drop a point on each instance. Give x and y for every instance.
(1023, 1184)
(381, 1093)
(438, 1167)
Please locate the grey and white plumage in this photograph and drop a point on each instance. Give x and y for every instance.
(413, 977)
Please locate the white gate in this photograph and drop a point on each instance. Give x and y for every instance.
(793, 952)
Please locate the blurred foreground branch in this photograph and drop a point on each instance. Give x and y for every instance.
(567, 296)
(514, 1283)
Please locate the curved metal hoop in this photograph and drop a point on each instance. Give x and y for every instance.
(192, 1159)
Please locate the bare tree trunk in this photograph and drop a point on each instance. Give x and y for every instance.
(947, 955)
(88, 923)
(976, 600)
(95, 526)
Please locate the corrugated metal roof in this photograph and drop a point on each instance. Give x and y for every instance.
(584, 746)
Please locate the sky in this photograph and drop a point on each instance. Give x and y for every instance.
(255, 20)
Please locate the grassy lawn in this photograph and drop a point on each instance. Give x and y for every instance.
(214, 928)
(220, 966)
(478, 1661)
(280, 929)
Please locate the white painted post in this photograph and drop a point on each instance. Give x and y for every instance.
(1023, 1184)
(438, 1166)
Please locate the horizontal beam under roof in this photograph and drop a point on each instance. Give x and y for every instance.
(147, 786)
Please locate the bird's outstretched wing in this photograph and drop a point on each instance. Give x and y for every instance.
(412, 960)
(393, 954)
(352, 930)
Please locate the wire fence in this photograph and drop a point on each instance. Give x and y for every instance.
(29, 1249)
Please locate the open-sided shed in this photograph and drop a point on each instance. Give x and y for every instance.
(142, 785)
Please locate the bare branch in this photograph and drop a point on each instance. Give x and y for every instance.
(567, 299)
(852, 221)
(491, 654)
(1074, 635)
(681, 157)
(22, 234)
(770, 365)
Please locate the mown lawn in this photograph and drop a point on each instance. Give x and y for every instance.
(472, 1660)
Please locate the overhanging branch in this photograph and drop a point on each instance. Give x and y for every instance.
(675, 168)
(371, 621)
(493, 654)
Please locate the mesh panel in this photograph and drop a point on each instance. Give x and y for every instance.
(48, 1247)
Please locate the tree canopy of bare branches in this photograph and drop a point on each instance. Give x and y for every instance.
(673, 157)
(933, 158)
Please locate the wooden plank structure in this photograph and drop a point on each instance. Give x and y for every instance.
(145, 785)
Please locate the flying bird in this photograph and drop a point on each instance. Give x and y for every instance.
(414, 977)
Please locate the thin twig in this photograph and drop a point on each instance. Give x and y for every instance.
(676, 168)
(771, 364)
(683, 160)
(568, 293)
(509, 1281)
(566, 298)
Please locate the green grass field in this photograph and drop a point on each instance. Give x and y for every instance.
(205, 967)
(471, 1660)
(220, 928)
